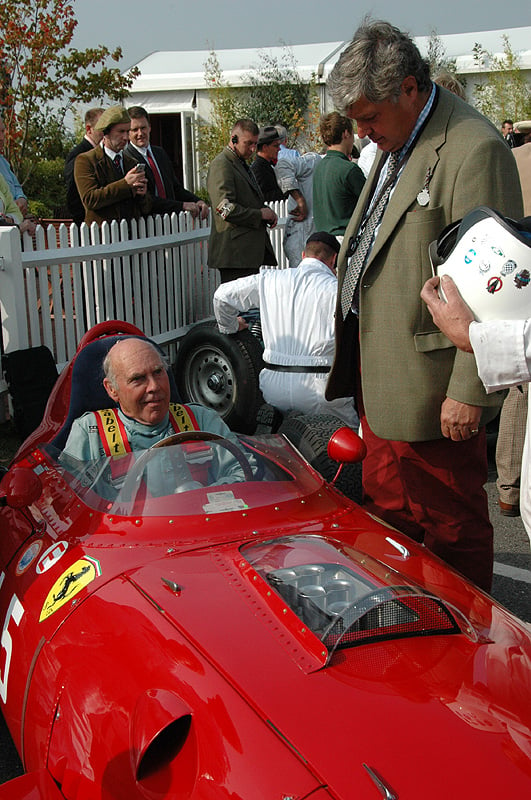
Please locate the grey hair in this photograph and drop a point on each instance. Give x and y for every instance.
(108, 362)
(375, 64)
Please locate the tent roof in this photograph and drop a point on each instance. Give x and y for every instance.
(166, 70)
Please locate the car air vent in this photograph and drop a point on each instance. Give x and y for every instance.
(343, 609)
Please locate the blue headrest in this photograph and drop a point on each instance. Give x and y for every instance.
(87, 392)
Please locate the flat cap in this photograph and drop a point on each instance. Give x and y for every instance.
(524, 126)
(268, 135)
(325, 238)
(115, 115)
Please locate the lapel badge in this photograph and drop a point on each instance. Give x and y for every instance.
(423, 197)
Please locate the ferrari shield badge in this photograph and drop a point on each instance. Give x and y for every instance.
(75, 578)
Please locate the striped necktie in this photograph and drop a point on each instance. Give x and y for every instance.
(364, 239)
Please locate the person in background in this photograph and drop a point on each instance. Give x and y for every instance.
(91, 138)
(295, 177)
(449, 81)
(337, 181)
(13, 183)
(239, 241)
(507, 131)
(109, 182)
(297, 319)
(10, 213)
(267, 149)
(168, 194)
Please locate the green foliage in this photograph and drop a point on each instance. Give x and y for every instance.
(277, 96)
(45, 187)
(504, 93)
(41, 76)
(436, 56)
(225, 109)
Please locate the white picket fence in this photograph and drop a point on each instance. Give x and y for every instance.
(58, 284)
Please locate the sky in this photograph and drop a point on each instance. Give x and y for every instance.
(143, 27)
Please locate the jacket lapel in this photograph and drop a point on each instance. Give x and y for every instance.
(424, 158)
(243, 171)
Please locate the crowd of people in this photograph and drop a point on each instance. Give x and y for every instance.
(346, 330)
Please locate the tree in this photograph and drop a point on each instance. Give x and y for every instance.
(41, 76)
(504, 93)
(436, 56)
(277, 96)
(225, 109)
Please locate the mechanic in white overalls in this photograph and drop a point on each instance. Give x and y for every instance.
(297, 317)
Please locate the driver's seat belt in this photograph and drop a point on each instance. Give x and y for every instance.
(114, 438)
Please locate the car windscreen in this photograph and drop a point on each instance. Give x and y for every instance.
(190, 477)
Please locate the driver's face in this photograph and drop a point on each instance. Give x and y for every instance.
(141, 385)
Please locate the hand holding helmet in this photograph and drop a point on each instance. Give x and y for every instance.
(489, 259)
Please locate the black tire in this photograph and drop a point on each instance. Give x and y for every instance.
(310, 435)
(221, 372)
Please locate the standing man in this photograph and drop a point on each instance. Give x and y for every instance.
(9, 176)
(267, 150)
(337, 181)
(108, 181)
(295, 176)
(91, 138)
(239, 243)
(168, 194)
(297, 318)
(422, 406)
(507, 130)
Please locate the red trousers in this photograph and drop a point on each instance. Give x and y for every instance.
(434, 492)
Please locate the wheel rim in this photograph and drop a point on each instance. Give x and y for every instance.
(209, 379)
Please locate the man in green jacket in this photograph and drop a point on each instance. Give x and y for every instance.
(239, 242)
(337, 181)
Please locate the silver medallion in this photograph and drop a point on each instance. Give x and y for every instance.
(423, 197)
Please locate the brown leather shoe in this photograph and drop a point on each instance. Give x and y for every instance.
(508, 509)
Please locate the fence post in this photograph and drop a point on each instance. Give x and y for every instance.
(12, 295)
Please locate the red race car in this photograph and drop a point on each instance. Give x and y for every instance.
(223, 624)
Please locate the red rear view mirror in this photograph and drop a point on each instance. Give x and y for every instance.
(20, 487)
(346, 447)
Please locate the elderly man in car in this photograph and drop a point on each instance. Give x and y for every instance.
(136, 379)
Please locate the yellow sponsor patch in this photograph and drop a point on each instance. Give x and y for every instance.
(75, 578)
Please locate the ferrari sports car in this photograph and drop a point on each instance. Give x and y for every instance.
(219, 623)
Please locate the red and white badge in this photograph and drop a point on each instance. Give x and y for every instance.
(51, 556)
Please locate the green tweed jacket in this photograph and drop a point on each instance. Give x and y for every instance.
(239, 236)
(408, 367)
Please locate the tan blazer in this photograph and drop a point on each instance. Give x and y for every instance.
(522, 156)
(104, 196)
(239, 236)
(408, 366)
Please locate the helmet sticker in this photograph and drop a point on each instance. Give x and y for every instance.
(484, 266)
(470, 256)
(494, 285)
(509, 267)
(522, 278)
